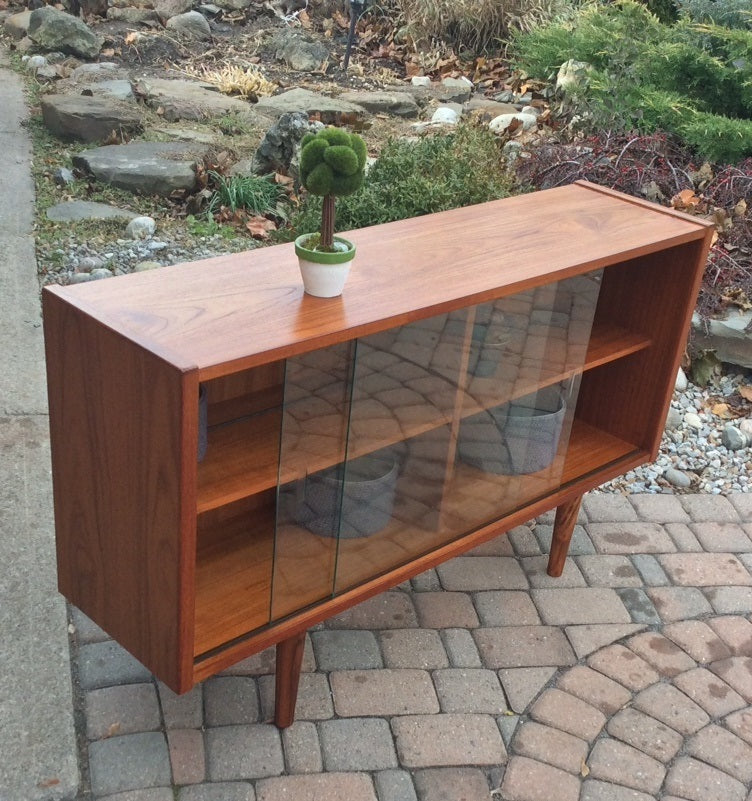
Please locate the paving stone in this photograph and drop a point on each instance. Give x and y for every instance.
(580, 544)
(672, 707)
(705, 569)
(535, 567)
(130, 762)
(594, 688)
(710, 692)
(741, 724)
(696, 781)
(628, 538)
(678, 603)
(182, 711)
(413, 648)
(318, 787)
(187, 756)
(218, 791)
(126, 709)
(301, 746)
(445, 610)
(264, 663)
(742, 502)
(451, 784)
(314, 697)
(428, 581)
(709, 508)
(645, 733)
(357, 744)
(87, 630)
(231, 701)
(568, 713)
(507, 726)
(658, 508)
(580, 606)
(596, 790)
(524, 542)
(460, 647)
(723, 750)
(552, 746)
(698, 639)
(663, 654)
(462, 690)
(472, 573)
(243, 752)
(395, 785)
(346, 650)
(506, 608)
(523, 646)
(639, 605)
(389, 610)
(730, 600)
(624, 666)
(649, 569)
(360, 693)
(106, 664)
(498, 546)
(529, 780)
(608, 571)
(608, 508)
(523, 685)
(723, 537)
(586, 639)
(152, 794)
(683, 537)
(736, 671)
(736, 632)
(437, 740)
(615, 761)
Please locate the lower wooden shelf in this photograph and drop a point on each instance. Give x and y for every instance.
(245, 580)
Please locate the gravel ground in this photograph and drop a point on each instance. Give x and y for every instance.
(693, 455)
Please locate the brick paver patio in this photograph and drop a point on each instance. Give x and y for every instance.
(627, 679)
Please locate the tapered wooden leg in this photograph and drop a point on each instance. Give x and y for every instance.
(289, 662)
(566, 518)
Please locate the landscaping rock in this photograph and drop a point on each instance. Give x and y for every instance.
(17, 25)
(572, 74)
(73, 210)
(503, 121)
(166, 9)
(681, 383)
(33, 63)
(734, 438)
(281, 144)
(149, 168)
(445, 115)
(454, 90)
(90, 119)
(677, 478)
(134, 16)
(422, 81)
(63, 176)
(397, 104)
(298, 53)
(51, 29)
(486, 105)
(99, 71)
(190, 100)
(233, 5)
(730, 337)
(114, 90)
(192, 25)
(330, 109)
(141, 228)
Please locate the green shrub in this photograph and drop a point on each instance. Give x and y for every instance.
(411, 178)
(718, 138)
(730, 13)
(252, 193)
(665, 10)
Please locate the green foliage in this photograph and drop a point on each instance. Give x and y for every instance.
(665, 10)
(207, 226)
(332, 162)
(694, 81)
(411, 178)
(730, 13)
(255, 194)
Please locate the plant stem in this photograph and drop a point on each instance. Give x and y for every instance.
(327, 223)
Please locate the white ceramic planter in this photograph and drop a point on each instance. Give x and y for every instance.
(324, 274)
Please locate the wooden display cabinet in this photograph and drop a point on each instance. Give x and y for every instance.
(426, 366)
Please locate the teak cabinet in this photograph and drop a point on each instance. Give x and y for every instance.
(484, 365)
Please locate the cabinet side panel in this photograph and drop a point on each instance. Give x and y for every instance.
(654, 296)
(122, 486)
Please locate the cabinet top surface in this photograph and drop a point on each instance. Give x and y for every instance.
(235, 311)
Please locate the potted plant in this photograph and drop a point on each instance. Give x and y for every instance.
(332, 164)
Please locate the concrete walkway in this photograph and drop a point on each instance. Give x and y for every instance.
(38, 757)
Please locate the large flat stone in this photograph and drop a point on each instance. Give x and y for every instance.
(90, 119)
(72, 210)
(55, 30)
(191, 100)
(150, 168)
(331, 109)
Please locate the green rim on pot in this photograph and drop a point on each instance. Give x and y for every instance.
(322, 257)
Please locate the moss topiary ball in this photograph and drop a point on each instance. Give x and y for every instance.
(332, 162)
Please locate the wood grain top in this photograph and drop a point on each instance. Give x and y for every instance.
(237, 311)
